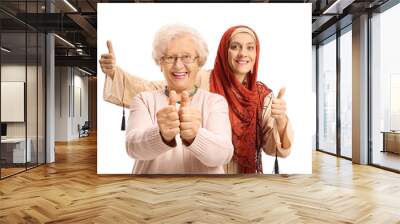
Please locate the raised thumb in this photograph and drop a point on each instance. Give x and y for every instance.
(172, 98)
(110, 47)
(281, 92)
(185, 100)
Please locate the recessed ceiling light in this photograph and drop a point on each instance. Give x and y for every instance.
(338, 6)
(5, 50)
(64, 40)
(71, 6)
(86, 72)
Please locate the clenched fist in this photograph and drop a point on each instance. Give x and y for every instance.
(107, 61)
(190, 120)
(168, 119)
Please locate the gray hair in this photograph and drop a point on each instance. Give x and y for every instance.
(170, 32)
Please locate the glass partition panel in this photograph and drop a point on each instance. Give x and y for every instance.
(385, 84)
(22, 64)
(346, 94)
(327, 96)
(14, 151)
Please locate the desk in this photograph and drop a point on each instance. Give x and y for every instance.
(15, 148)
(391, 141)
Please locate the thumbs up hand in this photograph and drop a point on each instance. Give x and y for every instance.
(278, 109)
(190, 120)
(107, 61)
(168, 119)
(185, 99)
(172, 98)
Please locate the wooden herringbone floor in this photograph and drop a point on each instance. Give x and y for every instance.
(70, 191)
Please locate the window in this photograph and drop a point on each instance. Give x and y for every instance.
(327, 96)
(346, 93)
(385, 88)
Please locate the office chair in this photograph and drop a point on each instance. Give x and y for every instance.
(84, 130)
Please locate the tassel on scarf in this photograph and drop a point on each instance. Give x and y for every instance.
(276, 165)
(123, 119)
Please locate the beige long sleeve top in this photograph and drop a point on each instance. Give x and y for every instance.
(124, 86)
(211, 149)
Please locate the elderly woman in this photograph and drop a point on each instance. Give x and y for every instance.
(258, 120)
(179, 129)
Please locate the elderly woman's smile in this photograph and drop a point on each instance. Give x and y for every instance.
(179, 75)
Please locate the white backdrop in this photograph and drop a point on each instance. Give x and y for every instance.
(284, 31)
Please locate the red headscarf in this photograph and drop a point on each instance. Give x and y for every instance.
(245, 104)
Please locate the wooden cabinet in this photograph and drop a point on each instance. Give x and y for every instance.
(391, 141)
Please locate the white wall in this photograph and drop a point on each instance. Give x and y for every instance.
(62, 81)
(69, 85)
(79, 117)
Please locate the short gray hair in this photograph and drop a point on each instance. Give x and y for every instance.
(170, 32)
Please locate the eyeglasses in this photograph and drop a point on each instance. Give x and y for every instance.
(186, 59)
